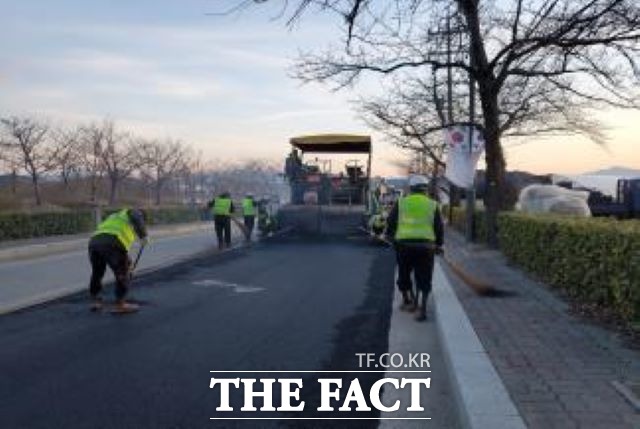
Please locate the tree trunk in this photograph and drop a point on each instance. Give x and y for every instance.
(36, 188)
(14, 181)
(488, 90)
(494, 157)
(158, 193)
(113, 190)
(94, 187)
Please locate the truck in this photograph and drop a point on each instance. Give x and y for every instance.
(625, 205)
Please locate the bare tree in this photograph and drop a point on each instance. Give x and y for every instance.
(410, 116)
(119, 157)
(11, 160)
(27, 138)
(161, 161)
(92, 138)
(66, 153)
(553, 58)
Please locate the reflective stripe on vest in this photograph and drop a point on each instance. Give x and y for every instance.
(248, 208)
(416, 213)
(222, 206)
(119, 224)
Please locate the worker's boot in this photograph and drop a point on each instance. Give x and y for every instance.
(407, 302)
(414, 300)
(421, 311)
(96, 304)
(123, 307)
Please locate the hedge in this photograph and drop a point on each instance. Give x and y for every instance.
(15, 226)
(20, 225)
(594, 260)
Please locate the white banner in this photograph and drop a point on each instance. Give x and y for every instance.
(462, 160)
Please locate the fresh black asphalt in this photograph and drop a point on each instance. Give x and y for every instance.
(290, 305)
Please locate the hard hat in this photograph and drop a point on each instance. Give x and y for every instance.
(418, 181)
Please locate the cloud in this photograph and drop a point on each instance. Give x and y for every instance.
(296, 114)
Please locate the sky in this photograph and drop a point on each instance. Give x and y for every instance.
(169, 68)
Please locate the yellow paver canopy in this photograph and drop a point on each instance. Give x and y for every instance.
(333, 143)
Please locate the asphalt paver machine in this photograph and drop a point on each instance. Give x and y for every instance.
(329, 178)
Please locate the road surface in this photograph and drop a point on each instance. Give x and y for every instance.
(26, 281)
(290, 305)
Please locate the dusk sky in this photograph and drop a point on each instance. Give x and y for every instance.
(165, 68)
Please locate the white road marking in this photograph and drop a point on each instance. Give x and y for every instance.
(234, 286)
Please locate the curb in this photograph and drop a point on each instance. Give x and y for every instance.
(481, 397)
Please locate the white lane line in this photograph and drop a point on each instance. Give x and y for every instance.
(233, 286)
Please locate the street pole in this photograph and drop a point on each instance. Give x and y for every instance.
(471, 191)
(452, 187)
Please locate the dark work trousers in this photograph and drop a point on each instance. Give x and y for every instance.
(223, 230)
(249, 222)
(417, 259)
(105, 250)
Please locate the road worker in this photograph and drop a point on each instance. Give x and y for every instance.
(249, 213)
(377, 223)
(222, 208)
(110, 246)
(415, 227)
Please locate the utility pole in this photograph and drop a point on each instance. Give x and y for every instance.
(448, 32)
(449, 69)
(470, 199)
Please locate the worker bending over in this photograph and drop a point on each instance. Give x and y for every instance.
(415, 227)
(222, 207)
(249, 213)
(109, 246)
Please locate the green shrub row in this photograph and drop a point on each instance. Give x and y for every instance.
(15, 226)
(594, 260)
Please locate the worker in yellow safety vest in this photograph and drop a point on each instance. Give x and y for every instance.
(110, 246)
(415, 226)
(249, 213)
(222, 207)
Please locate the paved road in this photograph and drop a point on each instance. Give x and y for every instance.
(26, 281)
(290, 305)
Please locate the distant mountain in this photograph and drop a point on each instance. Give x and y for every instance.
(615, 171)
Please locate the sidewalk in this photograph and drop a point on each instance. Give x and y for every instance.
(558, 369)
(38, 273)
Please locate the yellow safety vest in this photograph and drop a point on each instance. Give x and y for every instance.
(119, 224)
(248, 208)
(222, 206)
(416, 213)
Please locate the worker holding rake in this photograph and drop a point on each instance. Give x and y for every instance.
(110, 246)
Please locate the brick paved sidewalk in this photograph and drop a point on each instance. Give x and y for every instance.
(558, 368)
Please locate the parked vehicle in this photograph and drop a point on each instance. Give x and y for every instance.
(624, 205)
